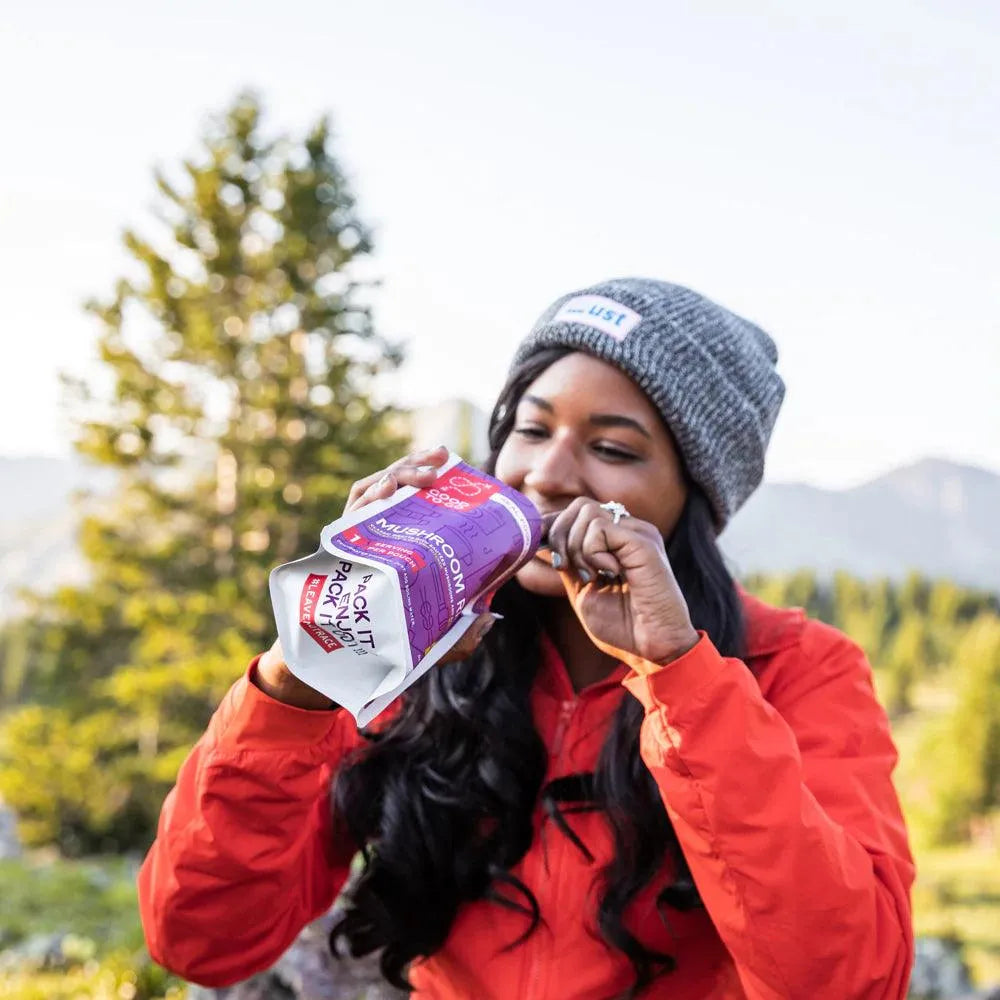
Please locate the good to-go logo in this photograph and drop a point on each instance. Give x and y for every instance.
(606, 315)
(459, 489)
(311, 591)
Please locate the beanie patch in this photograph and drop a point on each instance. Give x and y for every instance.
(601, 313)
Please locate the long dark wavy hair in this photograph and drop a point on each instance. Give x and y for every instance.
(442, 799)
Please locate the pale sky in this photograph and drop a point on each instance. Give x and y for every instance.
(828, 169)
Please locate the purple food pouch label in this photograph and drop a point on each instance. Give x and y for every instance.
(396, 584)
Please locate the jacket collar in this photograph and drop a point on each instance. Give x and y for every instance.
(768, 630)
(553, 678)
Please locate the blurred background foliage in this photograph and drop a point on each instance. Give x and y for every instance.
(236, 407)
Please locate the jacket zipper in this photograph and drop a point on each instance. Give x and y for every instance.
(566, 710)
(563, 721)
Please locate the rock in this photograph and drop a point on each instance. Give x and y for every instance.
(39, 951)
(262, 987)
(10, 842)
(49, 952)
(939, 971)
(307, 971)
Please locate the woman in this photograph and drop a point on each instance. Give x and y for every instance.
(642, 781)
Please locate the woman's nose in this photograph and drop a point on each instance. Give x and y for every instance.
(555, 469)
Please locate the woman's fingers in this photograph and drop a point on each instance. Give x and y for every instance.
(574, 554)
(579, 542)
(365, 491)
(558, 535)
(418, 469)
(595, 549)
(588, 546)
(418, 465)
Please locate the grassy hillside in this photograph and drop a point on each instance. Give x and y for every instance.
(957, 894)
(70, 931)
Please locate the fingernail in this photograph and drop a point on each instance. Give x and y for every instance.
(485, 628)
(585, 576)
(425, 468)
(556, 560)
(384, 481)
(606, 576)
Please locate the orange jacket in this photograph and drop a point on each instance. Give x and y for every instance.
(777, 783)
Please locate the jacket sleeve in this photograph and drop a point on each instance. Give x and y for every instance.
(786, 813)
(244, 854)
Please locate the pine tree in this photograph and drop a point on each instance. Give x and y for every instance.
(906, 663)
(962, 753)
(236, 406)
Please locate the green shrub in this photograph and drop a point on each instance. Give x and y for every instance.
(94, 899)
(118, 976)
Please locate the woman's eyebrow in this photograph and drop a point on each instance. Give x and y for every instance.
(597, 419)
(543, 404)
(617, 420)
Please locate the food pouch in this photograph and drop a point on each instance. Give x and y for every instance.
(394, 585)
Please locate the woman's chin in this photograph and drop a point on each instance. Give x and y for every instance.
(539, 578)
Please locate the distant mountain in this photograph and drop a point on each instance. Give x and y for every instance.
(38, 517)
(38, 523)
(36, 486)
(937, 517)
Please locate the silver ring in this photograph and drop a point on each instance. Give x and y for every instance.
(616, 510)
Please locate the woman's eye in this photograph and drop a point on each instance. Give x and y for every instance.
(531, 431)
(616, 454)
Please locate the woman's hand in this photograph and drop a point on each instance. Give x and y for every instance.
(620, 583)
(275, 679)
(419, 468)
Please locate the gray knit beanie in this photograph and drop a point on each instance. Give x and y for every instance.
(710, 373)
